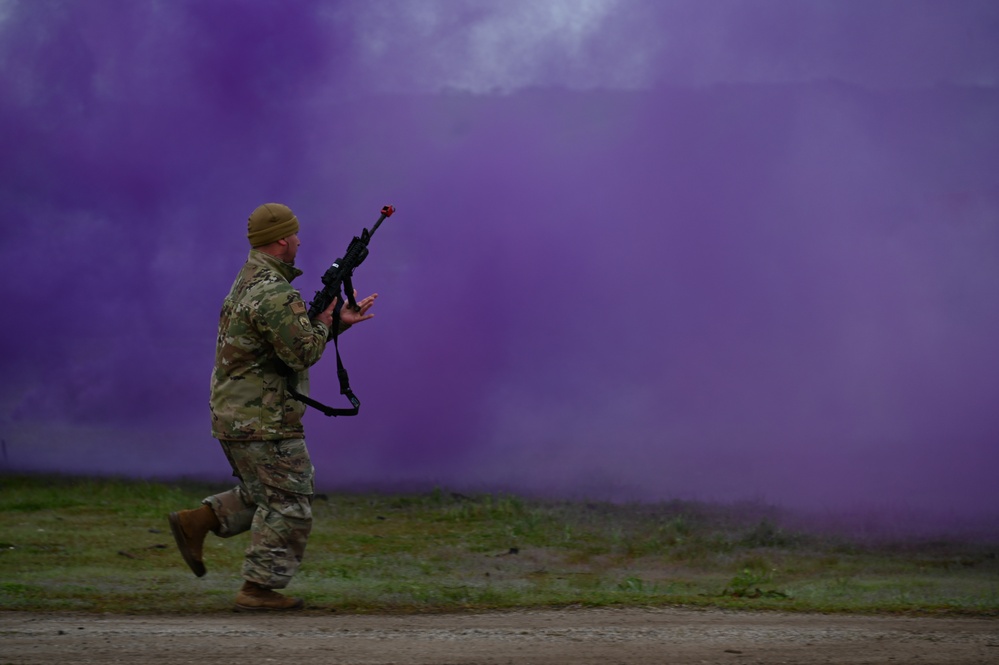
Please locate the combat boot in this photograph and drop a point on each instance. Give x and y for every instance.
(253, 597)
(189, 529)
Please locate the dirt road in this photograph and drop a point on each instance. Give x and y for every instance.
(579, 636)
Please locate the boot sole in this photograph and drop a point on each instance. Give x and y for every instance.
(265, 608)
(197, 567)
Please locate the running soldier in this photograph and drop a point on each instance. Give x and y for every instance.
(265, 340)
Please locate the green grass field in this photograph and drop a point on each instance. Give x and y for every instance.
(103, 545)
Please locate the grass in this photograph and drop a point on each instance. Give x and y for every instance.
(103, 545)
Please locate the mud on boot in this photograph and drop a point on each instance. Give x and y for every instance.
(253, 597)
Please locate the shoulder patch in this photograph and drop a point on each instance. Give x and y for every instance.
(298, 307)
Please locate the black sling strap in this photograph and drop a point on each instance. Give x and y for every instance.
(341, 374)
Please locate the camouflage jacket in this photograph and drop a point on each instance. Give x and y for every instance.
(264, 326)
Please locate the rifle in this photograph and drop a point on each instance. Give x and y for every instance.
(339, 276)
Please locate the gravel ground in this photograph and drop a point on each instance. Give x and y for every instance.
(539, 637)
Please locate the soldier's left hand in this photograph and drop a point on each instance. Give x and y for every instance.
(350, 316)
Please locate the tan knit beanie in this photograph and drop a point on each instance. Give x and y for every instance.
(270, 222)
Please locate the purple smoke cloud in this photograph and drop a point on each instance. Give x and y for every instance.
(643, 250)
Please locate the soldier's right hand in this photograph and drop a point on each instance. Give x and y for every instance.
(326, 316)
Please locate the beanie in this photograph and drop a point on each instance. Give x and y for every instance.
(270, 222)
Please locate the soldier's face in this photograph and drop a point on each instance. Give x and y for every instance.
(291, 248)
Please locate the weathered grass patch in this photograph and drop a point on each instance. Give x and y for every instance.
(104, 545)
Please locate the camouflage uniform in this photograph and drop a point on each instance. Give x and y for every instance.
(265, 340)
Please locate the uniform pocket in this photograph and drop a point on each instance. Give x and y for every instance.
(288, 467)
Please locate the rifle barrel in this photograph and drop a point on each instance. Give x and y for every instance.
(375, 227)
(386, 212)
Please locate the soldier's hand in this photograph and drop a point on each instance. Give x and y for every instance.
(350, 316)
(326, 316)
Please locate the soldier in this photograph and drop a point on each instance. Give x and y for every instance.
(265, 341)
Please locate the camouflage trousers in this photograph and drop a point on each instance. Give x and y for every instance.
(273, 501)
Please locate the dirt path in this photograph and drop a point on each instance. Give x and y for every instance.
(631, 636)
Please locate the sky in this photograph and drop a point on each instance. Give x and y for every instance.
(643, 250)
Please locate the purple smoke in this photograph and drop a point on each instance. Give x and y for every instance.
(643, 250)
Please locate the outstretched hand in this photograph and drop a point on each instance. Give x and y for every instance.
(350, 316)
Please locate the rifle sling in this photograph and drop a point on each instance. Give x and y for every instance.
(341, 374)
